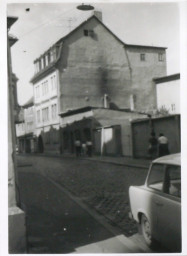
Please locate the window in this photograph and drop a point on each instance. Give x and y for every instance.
(40, 65)
(85, 32)
(156, 177)
(42, 88)
(142, 56)
(51, 55)
(88, 32)
(38, 116)
(172, 184)
(53, 82)
(37, 91)
(46, 87)
(173, 107)
(45, 114)
(29, 125)
(46, 60)
(54, 111)
(161, 57)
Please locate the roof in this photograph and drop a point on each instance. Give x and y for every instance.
(47, 69)
(29, 103)
(164, 79)
(156, 117)
(60, 41)
(11, 20)
(169, 159)
(94, 16)
(12, 40)
(76, 111)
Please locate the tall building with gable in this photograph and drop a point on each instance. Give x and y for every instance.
(92, 67)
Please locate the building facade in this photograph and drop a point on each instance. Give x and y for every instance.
(92, 68)
(25, 128)
(46, 103)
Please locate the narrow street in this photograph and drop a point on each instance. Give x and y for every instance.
(77, 205)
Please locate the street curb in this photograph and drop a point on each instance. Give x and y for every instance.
(99, 160)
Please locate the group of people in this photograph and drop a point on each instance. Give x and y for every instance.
(84, 148)
(158, 146)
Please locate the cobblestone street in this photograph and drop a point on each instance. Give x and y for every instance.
(102, 186)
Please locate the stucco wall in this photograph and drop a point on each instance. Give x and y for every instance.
(143, 73)
(110, 117)
(91, 67)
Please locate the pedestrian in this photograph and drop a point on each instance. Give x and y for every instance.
(163, 145)
(89, 148)
(84, 148)
(153, 146)
(78, 147)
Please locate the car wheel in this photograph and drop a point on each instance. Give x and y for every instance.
(146, 231)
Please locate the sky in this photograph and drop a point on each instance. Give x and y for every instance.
(155, 24)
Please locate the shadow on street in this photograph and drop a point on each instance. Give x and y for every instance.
(55, 224)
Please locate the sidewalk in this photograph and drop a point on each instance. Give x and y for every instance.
(126, 161)
(123, 160)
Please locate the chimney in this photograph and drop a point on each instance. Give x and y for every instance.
(98, 14)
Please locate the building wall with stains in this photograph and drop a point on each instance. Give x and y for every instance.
(92, 66)
(99, 64)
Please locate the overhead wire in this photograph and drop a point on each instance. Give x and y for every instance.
(45, 23)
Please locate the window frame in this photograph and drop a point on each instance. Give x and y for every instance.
(160, 57)
(142, 57)
(149, 174)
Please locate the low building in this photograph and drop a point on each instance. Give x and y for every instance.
(168, 125)
(109, 130)
(25, 128)
(168, 93)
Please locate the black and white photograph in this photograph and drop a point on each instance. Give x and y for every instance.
(93, 127)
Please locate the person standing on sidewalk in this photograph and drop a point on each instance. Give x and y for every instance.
(89, 148)
(163, 145)
(153, 143)
(84, 148)
(78, 148)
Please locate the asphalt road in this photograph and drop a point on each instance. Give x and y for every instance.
(57, 224)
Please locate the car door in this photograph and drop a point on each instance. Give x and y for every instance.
(155, 183)
(169, 214)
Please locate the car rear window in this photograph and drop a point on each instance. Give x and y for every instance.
(172, 183)
(156, 177)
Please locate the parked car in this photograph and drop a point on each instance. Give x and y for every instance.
(156, 205)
